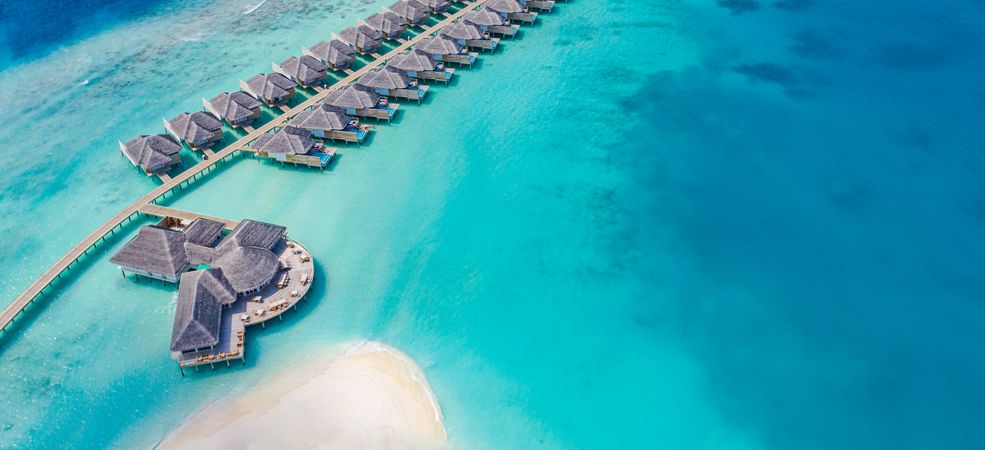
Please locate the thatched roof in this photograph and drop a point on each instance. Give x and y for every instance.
(151, 151)
(439, 45)
(413, 60)
(252, 233)
(324, 117)
(360, 36)
(387, 22)
(154, 249)
(198, 126)
(462, 30)
(308, 69)
(438, 4)
(504, 6)
(235, 106)
(484, 17)
(287, 140)
(352, 97)
(203, 231)
(199, 254)
(335, 52)
(248, 268)
(271, 86)
(411, 10)
(198, 315)
(385, 78)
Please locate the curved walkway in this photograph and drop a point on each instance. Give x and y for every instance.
(44, 281)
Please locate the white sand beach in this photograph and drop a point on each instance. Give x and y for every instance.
(370, 397)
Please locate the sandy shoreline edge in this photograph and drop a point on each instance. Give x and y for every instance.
(365, 395)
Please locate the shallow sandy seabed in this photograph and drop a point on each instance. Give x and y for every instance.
(362, 396)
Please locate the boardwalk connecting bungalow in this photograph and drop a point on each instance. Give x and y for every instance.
(337, 55)
(154, 154)
(293, 145)
(362, 38)
(199, 129)
(436, 6)
(388, 24)
(491, 21)
(511, 10)
(447, 50)
(329, 122)
(238, 109)
(307, 71)
(412, 11)
(394, 83)
(469, 35)
(273, 89)
(421, 66)
(360, 102)
(247, 277)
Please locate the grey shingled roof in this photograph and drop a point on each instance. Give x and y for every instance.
(235, 106)
(439, 45)
(352, 97)
(198, 315)
(271, 85)
(203, 231)
(198, 126)
(411, 10)
(436, 3)
(154, 249)
(324, 117)
(248, 268)
(308, 69)
(462, 30)
(152, 151)
(413, 60)
(252, 233)
(387, 22)
(287, 140)
(360, 36)
(385, 78)
(335, 52)
(199, 254)
(504, 6)
(484, 17)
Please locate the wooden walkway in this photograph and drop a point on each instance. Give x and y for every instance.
(163, 211)
(43, 282)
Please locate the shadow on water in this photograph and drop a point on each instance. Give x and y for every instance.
(60, 285)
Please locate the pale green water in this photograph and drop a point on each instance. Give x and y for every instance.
(601, 237)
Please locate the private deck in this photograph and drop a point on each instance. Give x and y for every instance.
(164, 212)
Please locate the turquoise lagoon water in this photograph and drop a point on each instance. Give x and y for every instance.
(681, 224)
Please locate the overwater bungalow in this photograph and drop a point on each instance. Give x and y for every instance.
(307, 71)
(293, 145)
(361, 102)
(330, 122)
(412, 11)
(469, 35)
(419, 65)
(394, 83)
(436, 6)
(388, 24)
(154, 154)
(337, 55)
(164, 253)
(273, 89)
(362, 38)
(238, 109)
(511, 10)
(446, 50)
(199, 129)
(539, 5)
(491, 21)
